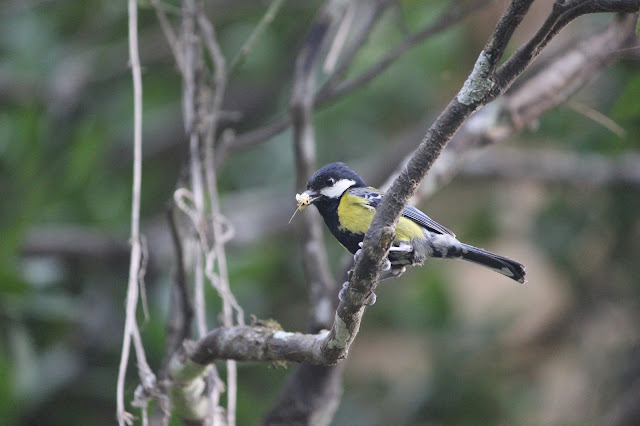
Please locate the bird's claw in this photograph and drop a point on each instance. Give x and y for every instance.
(393, 273)
(342, 295)
(371, 300)
(387, 265)
(357, 253)
(387, 262)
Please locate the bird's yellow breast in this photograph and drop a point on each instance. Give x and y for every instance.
(355, 215)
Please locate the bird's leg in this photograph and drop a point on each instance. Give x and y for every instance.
(403, 248)
(393, 272)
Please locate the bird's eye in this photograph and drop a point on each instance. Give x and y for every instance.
(330, 181)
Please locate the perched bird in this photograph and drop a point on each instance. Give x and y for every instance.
(348, 205)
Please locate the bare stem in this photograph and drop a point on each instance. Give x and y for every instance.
(131, 327)
(169, 34)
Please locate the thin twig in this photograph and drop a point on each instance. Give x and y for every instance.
(193, 72)
(213, 114)
(185, 201)
(266, 20)
(366, 22)
(181, 303)
(194, 98)
(144, 261)
(339, 39)
(510, 20)
(131, 327)
(198, 292)
(169, 34)
(597, 117)
(331, 92)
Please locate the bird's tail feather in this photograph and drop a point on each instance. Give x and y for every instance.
(500, 264)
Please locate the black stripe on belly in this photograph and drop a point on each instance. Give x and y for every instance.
(349, 240)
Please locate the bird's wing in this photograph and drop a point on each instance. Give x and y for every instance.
(374, 197)
(422, 219)
(371, 195)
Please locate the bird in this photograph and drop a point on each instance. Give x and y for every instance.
(348, 205)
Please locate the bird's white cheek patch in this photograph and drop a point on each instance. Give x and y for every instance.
(338, 188)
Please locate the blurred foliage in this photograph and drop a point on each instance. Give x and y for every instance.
(430, 351)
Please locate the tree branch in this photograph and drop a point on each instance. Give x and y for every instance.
(261, 343)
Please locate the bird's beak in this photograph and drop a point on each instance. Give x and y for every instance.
(312, 195)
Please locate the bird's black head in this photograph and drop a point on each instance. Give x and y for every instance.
(330, 181)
